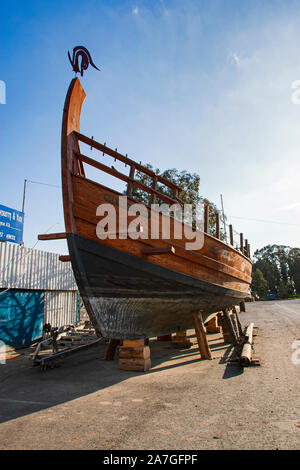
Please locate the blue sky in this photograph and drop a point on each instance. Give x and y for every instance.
(203, 86)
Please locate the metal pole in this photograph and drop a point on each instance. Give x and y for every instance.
(24, 194)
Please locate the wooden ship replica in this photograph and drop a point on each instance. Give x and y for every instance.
(134, 289)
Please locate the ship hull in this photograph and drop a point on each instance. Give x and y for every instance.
(131, 298)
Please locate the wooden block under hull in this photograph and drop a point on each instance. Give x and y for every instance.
(212, 326)
(134, 355)
(135, 364)
(180, 341)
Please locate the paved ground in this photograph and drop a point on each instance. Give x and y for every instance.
(182, 403)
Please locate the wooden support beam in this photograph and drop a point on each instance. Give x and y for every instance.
(242, 306)
(111, 349)
(238, 322)
(134, 355)
(52, 236)
(229, 328)
(159, 250)
(231, 235)
(64, 258)
(218, 232)
(225, 330)
(204, 349)
(206, 218)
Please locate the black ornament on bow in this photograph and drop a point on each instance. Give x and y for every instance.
(80, 51)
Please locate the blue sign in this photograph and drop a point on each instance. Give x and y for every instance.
(11, 225)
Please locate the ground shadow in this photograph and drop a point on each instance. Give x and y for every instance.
(25, 389)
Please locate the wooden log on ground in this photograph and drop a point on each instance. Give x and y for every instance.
(204, 349)
(246, 354)
(134, 355)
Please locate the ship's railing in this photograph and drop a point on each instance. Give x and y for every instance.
(228, 232)
(242, 245)
(134, 166)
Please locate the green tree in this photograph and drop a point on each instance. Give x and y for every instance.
(259, 284)
(190, 194)
(280, 266)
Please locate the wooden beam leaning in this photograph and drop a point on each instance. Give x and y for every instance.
(52, 236)
(230, 328)
(111, 349)
(204, 349)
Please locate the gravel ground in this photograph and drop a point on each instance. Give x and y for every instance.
(181, 403)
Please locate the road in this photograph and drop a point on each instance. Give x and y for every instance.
(181, 403)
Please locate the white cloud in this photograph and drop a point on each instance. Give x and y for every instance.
(135, 11)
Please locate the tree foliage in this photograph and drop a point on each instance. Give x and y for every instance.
(280, 267)
(190, 194)
(259, 284)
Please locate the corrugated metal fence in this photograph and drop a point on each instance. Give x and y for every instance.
(23, 270)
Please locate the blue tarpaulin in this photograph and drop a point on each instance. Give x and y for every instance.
(21, 317)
